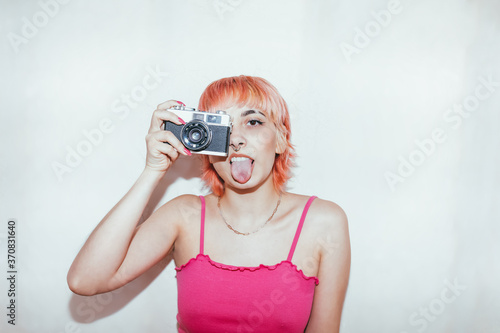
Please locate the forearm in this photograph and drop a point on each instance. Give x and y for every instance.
(106, 247)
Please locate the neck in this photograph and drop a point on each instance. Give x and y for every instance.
(250, 207)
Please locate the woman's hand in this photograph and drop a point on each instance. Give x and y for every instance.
(163, 147)
(118, 250)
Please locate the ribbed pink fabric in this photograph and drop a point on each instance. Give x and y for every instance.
(214, 297)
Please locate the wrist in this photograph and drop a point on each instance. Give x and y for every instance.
(152, 175)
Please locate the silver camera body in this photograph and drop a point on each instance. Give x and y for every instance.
(204, 132)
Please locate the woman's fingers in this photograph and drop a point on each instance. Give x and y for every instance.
(168, 150)
(161, 114)
(167, 138)
(163, 146)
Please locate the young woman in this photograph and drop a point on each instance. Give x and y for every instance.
(250, 257)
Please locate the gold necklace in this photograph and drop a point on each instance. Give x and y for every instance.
(252, 232)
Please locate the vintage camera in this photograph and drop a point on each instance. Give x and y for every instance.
(204, 132)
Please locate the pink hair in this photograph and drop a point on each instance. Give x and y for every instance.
(254, 92)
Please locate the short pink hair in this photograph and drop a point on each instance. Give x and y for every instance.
(254, 92)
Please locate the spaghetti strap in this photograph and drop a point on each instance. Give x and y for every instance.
(202, 225)
(299, 228)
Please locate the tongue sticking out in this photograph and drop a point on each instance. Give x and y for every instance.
(241, 170)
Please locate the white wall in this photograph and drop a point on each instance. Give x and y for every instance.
(354, 117)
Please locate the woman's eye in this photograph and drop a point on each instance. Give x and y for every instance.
(255, 122)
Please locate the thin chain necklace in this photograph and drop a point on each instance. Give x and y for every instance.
(252, 232)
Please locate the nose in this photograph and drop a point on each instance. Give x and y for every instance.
(236, 139)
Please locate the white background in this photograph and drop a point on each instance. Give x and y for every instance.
(355, 117)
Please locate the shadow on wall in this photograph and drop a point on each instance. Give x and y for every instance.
(87, 309)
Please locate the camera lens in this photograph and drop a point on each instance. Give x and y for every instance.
(196, 135)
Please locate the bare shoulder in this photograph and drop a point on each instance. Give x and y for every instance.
(332, 227)
(323, 214)
(184, 200)
(326, 224)
(180, 209)
(328, 214)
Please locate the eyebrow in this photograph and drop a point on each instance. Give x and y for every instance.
(247, 112)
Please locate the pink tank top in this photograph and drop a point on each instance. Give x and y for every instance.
(213, 297)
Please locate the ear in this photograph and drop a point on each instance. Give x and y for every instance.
(280, 142)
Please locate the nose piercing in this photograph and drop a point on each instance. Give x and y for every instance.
(237, 149)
